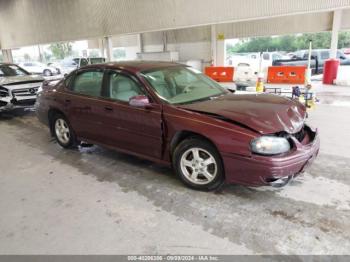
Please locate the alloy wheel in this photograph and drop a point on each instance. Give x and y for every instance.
(62, 131)
(198, 166)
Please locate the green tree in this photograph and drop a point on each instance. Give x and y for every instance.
(344, 40)
(61, 50)
(119, 53)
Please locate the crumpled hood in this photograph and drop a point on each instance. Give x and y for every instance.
(9, 80)
(264, 113)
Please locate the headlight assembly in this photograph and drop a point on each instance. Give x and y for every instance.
(40, 89)
(3, 92)
(270, 145)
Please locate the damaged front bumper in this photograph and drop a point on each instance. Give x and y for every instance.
(274, 171)
(11, 103)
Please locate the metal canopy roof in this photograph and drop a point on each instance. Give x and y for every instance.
(28, 22)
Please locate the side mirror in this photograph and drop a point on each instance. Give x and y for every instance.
(141, 101)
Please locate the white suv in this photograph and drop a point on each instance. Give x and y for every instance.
(39, 68)
(18, 88)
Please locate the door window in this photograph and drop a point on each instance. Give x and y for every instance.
(122, 87)
(84, 62)
(88, 83)
(276, 57)
(324, 55)
(266, 56)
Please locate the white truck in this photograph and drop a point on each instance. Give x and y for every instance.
(249, 65)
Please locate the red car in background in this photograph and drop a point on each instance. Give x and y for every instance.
(174, 115)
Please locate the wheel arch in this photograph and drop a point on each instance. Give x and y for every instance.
(179, 137)
(185, 134)
(51, 113)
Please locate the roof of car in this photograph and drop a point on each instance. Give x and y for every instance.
(137, 66)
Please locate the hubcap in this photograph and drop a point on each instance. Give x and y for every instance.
(62, 131)
(198, 166)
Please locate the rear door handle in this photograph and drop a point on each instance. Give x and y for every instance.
(67, 101)
(107, 108)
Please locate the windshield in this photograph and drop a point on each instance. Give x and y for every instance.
(181, 85)
(12, 70)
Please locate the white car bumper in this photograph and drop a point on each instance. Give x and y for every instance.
(10, 103)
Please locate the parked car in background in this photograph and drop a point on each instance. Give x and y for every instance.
(346, 52)
(55, 65)
(319, 56)
(254, 59)
(175, 115)
(245, 75)
(96, 60)
(69, 64)
(249, 65)
(18, 88)
(39, 68)
(72, 63)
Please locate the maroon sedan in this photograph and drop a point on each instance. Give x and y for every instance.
(174, 115)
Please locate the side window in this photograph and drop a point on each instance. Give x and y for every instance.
(68, 80)
(313, 55)
(266, 56)
(122, 87)
(84, 62)
(340, 54)
(88, 83)
(276, 57)
(324, 55)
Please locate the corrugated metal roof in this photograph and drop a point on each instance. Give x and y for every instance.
(25, 22)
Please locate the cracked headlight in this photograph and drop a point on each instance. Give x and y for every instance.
(270, 145)
(3, 92)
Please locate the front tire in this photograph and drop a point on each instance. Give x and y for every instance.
(63, 132)
(198, 164)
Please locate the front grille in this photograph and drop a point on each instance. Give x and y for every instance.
(26, 102)
(3, 92)
(25, 91)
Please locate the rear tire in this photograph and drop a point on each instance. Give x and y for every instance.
(63, 132)
(198, 164)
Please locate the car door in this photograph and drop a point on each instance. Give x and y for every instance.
(134, 129)
(83, 103)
